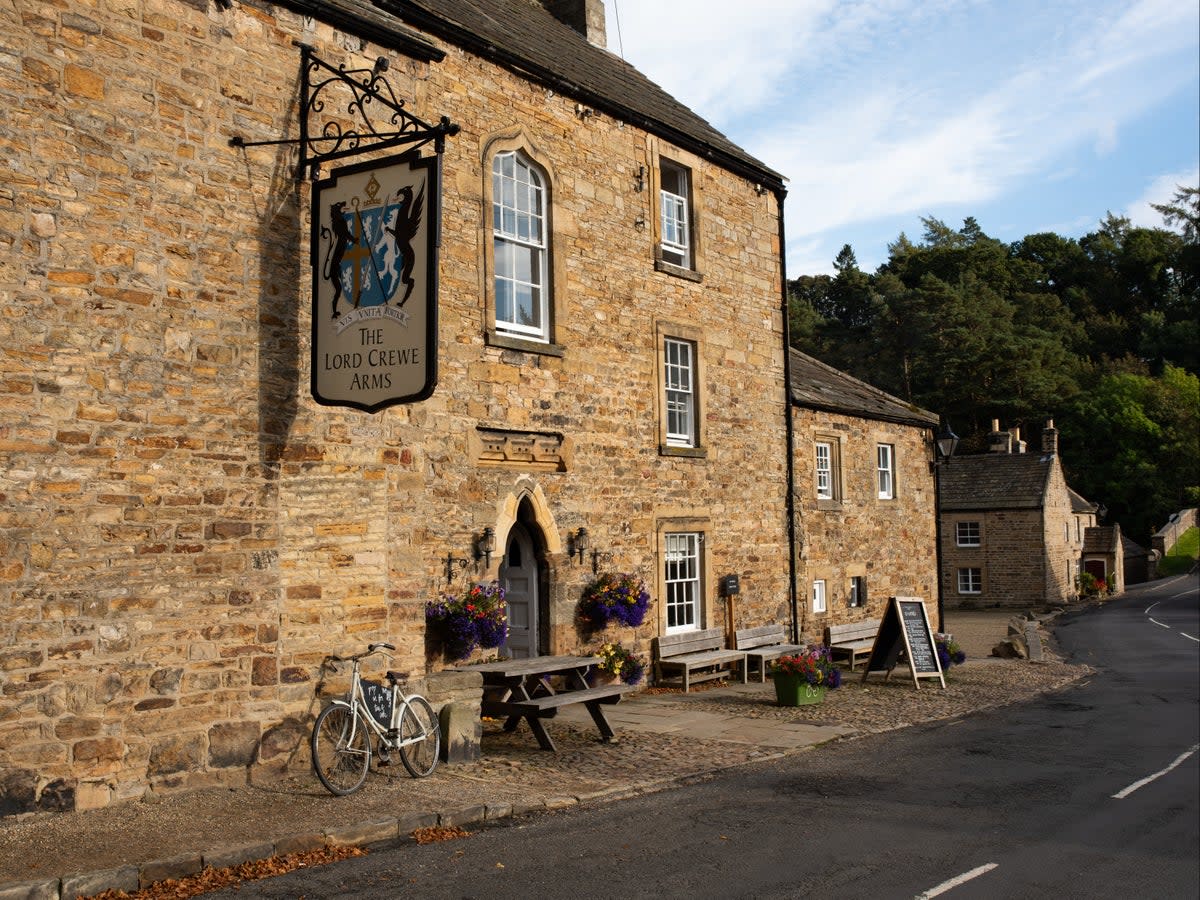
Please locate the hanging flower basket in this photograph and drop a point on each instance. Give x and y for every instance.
(479, 618)
(622, 599)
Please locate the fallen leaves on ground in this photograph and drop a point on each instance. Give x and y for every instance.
(214, 879)
(435, 833)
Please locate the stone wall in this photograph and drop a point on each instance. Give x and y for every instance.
(184, 533)
(890, 543)
(1167, 536)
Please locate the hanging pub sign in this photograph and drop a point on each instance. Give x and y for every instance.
(374, 273)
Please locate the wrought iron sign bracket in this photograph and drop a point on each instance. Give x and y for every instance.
(378, 117)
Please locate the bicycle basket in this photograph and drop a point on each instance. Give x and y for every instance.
(379, 702)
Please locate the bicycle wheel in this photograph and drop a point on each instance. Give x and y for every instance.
(418, 721)
(341, 752)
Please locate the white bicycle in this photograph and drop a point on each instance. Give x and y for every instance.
(341, 736)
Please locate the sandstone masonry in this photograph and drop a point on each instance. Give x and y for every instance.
(184, 533)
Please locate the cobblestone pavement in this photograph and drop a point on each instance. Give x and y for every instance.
(688, 737)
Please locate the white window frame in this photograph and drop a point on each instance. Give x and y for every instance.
(819, 596)
(970, 580)
(967, 534)
(519, 228)
(885, 467)
(675, 239)
(679, 384)
(823, 455)
(681, 579)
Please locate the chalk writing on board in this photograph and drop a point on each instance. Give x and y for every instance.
(379, 702)
(920, 645)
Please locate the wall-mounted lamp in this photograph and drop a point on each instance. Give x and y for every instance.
(579, 543)
(640, 184)
(760, 190)
(640, 222)
(485, 546)
(584, 112)
(947, 442)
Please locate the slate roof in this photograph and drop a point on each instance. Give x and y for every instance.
(1079, 504)
(1101, 538)
(815, 385)
(1131, 549)
(986, 481)
(522, 36)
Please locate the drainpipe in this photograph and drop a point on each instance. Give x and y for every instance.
(780, 195)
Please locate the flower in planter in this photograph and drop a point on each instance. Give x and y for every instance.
(948, 651)
(814, 665)
(477, 619)
(617, 661)
(614, 598)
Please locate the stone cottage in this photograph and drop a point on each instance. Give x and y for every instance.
(864, 495)
(250, 420)
(1013, 532)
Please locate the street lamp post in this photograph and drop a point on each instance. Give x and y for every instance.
(945, 444)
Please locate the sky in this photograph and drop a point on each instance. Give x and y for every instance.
(1030, 115)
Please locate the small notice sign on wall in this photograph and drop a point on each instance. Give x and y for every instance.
(374, 272)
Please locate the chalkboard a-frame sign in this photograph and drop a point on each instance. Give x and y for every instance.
(904, 632)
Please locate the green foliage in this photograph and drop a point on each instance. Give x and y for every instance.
(1099, 333)
(1183, 555)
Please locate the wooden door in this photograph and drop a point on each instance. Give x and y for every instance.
(518, 576)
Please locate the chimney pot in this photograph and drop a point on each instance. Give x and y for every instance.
(585, 16)
(1050, 439)
(999, 441)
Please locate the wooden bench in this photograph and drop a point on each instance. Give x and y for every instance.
(697, 655)
(764, 643)
(853, 640)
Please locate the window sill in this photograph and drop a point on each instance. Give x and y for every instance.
(494, 338)
(682, 452)
(677, 271)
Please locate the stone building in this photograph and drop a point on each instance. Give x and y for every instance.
(185, 531)
(864, 496)
(1013, 532)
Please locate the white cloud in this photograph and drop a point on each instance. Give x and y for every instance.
(878, 109)
(1160, 190)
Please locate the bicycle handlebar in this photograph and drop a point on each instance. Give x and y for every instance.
(371, 648)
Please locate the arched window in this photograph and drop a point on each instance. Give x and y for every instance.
(521, 245)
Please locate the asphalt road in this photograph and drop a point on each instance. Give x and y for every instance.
(1092, 792)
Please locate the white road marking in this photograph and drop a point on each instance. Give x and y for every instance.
(1160, 624)
(1190, 637)
(956, 881)
(1121, 795)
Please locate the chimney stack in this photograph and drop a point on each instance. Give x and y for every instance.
(1050, 439)
(1017, 444)
(585, 16)
(999, 441)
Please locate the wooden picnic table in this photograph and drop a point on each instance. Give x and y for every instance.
(521, 689)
